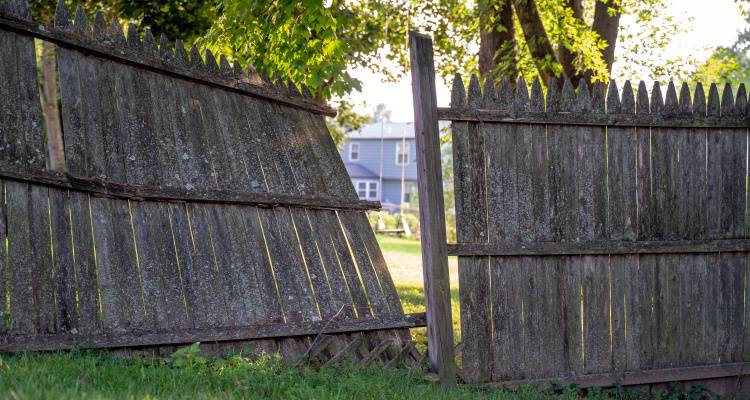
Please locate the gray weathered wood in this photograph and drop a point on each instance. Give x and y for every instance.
(155, 337)
(434, 255)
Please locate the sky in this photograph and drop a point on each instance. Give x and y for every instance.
(714, 23)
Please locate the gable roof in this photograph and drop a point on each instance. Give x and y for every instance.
(358, 171)
(390, 130)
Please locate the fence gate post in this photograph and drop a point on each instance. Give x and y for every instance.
(431, 210)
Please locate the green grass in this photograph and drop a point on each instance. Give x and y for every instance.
(399, 245)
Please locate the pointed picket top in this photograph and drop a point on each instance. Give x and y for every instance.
(266, 79)
(505, 95)
(251, 71)
(699, 101)
(293, 90)
(553, 96)
(165, 48)
(134, 38)
(727, 100)
(81, 24)
(568, 97)
(100, 26)
(521, 95)
(62, 17)
(225, 68)
(713, 108)
(211, 65)
(488, 92)
(474, 93)
(180, 55)
(641, 99)
(657, 101)
(613, 98)
(583, 98)
(686, 104)
(237, 70)
(740, 104)
(149, 43)
(196, 61)
(16, 8)
(598, 96)
(536, 103)
(116, 33)
(306, 91)
(671, 105)
(279, 83)
(627, 104)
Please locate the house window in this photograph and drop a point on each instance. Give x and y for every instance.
(402, 153)
(353, 151)
(408, 189)
(367, 190)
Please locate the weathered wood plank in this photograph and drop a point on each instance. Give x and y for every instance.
(471, 225)
(161, 277)
(201, 289)
(598, 247)
(597, 315)
(235, 283)
(507, 336)
(23, 312)
(5, 281)
(578, 119)
(62, 250)
(120, 282)
(169, 194)
(153, 338)
(30, 137)
(432, 210)
(87, 276)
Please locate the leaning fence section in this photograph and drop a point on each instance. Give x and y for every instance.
(601, 231)
(201, 203)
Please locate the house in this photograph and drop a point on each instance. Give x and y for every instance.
(381, 161)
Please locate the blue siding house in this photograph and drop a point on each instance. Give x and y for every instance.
(381, 161)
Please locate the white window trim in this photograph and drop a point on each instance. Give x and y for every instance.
(352, 144)
(408, 155)
(367, 183)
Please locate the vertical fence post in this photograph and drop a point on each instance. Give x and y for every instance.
(431, 210)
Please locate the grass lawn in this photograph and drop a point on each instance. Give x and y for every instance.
(187, 375)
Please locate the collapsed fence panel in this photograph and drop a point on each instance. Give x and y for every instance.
(200, 203)
(600, 232)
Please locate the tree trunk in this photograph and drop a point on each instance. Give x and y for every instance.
(607, 27)
(498, 53)
(536, 38)
(55, 146)
(565, 57)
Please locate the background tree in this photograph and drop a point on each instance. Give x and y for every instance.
(728, 63)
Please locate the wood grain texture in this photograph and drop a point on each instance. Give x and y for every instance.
(434, 255)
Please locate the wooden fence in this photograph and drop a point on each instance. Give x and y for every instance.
(603, 234)
(201, 203)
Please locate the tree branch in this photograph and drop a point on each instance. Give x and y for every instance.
(536, 37)
(607, 26)
(498, 53)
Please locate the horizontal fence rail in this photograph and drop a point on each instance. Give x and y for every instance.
(101, 41)
(154, 193)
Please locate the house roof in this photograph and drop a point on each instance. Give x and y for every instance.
(358, 171)
(388, 130)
